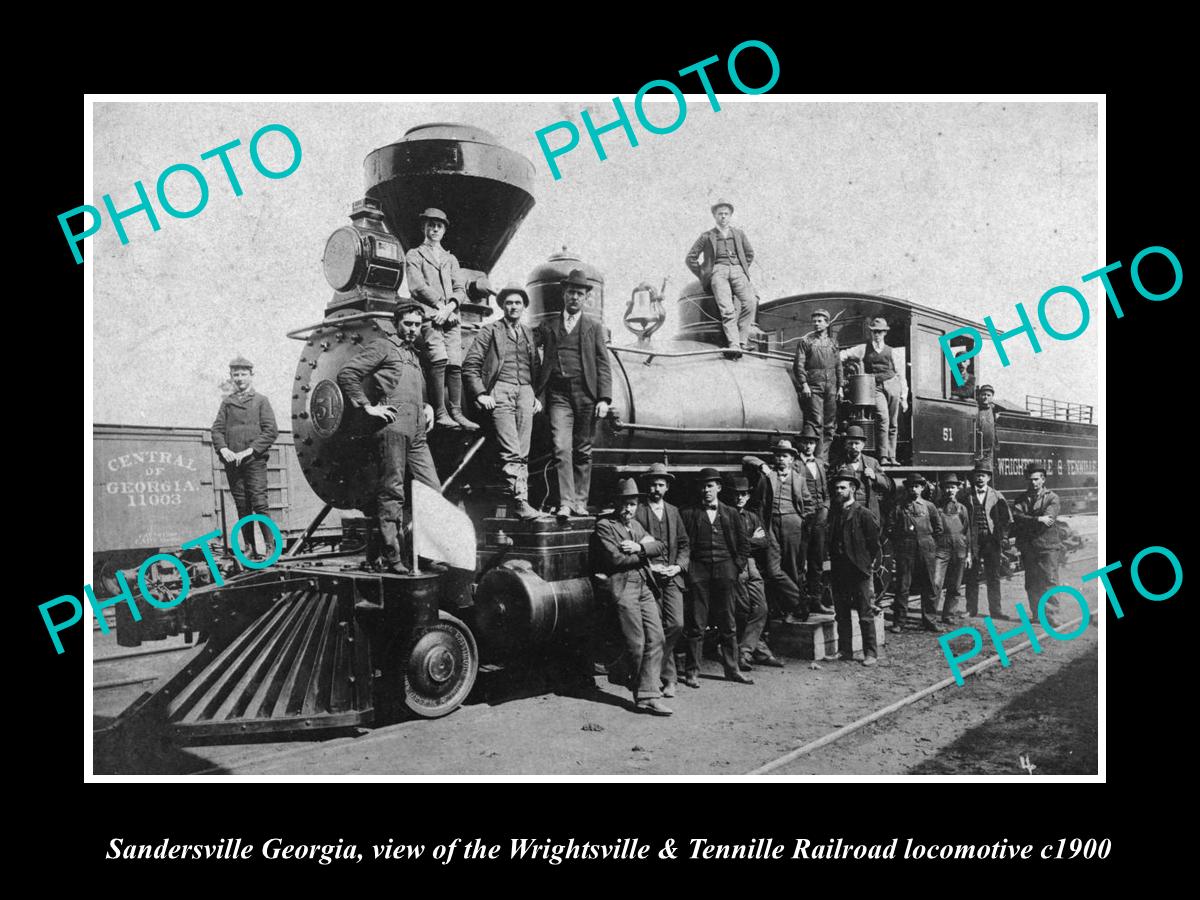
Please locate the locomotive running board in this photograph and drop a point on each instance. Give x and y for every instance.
(300, 664)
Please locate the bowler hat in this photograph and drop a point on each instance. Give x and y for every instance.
(741, 484)
(916, 478)
(1034, 467)
(950, 478)
(658, 470)
(627, 488)
(434, 213)
(578, 278)
(707, 475)
(784, 446)
(713, 209)
(846, 474)
(983, 467)
(878, 323)
(819, 312)
(810, 433)
(854, 433)
(240, 362)
(513, 287)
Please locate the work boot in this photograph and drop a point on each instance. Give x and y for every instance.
(442, 419)
(460, 417)
(525, 511)
(739, 678)
(454, 398)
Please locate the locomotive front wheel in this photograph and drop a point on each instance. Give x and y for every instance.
(441, 668)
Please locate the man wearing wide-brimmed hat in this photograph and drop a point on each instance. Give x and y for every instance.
(953, 553)
(242, 434)
(854, 549)
(662, 522)
(501, 370)
(725, 271)
(719, 551)
(990, 520)
(891, 388)
(782, 498)
(817, 369)
(914, 527)
(1035, 526)
(576, 380)
(435, 281)
(624, 552)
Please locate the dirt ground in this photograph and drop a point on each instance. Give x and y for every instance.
(1042, 707)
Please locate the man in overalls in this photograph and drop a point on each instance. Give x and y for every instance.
(818, 373)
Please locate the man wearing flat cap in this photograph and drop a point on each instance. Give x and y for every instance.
(662, 522)
(719, 551)
(953, 552)
(854, 549)
(384, 380)
(817, 369)
(991, 520)
(242, 434)
(725, 271)
(435, 281)
(891, 388)
(782, 498)
(914, 527)
(576, 380)
(1035, 526)
(624, 553)
(501, 370)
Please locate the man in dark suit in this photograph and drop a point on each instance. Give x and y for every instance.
(719, 550)
(853, 550)
(726, 272)
(577, 382)
(812, 549)
(661, 521)
(242, 434)
(990, 520)
(914, 527)
(781, 497)
(501, 369)
(1035, 525)
(752, 610)
(624, 551)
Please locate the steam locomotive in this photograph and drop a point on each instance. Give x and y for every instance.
(324, 640)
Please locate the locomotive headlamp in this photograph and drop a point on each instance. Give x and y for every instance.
(363, 254)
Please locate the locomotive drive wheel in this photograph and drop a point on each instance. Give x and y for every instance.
(441, 668)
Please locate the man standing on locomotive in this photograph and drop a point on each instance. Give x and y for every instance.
(624, 554)
(1035, 523)
(242, 434)
(987, 424)
(818, 372)
(434, 281)
(891, 388)
(576, 380)
(500, 370)
(726, 272)
(390, 370)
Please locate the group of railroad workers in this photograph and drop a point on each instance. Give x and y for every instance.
(728, 558)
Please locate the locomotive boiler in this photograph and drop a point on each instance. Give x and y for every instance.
(325, 640)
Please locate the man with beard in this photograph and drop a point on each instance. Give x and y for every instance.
(624, 553)
(953, 553)
(781, 497)
(990, 520)
(853, 550)
(390, 369)
(719, 550)
(661, 521)
(751, 592)
(813, 544)
(1035, 523)
(914, 527)
(818, 372)
(873, 485)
